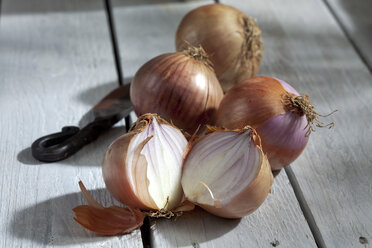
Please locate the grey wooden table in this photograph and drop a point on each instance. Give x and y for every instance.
(58, 58)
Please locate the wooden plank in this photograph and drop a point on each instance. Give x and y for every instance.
(145, 31)
(56, 62)
(355, 19)
(305, 46)
(277, 222)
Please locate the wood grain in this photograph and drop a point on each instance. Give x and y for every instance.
(56, 62)
(355, 19)
(305, 46)
(145, 31)
(278, 222)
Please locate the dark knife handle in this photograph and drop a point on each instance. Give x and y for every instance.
(59, 146)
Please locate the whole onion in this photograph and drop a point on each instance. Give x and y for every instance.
(181, 87)
(282, 118)
(231, 39)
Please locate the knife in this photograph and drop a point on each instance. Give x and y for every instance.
(58, 146)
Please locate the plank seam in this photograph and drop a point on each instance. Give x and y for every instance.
(348, 36)
(114, 40)
(145, 228)
(305, 208)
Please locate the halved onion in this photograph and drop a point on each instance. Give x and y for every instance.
(142, 169)
(226, 173)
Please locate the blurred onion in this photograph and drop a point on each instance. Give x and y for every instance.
(231, 39)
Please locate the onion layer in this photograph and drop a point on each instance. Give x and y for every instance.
(226, 173)
(142, 168)
(231, 39)
(181, 87)
(282, 117)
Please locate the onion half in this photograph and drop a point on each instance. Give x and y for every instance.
(226, 173)
(231, 39)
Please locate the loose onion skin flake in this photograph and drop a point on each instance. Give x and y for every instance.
(282, 118)
(106, 221)
(231, 39)
(181, 87)
(226, 173)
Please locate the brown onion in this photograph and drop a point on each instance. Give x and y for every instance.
(226, 173)
(231, 39)
(181, 87)
(281, 117)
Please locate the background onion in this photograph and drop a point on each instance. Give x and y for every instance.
(231, 39)
(181, 87)
(261, 103)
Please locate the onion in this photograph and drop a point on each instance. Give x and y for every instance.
(142, 168)
(226, 173)
(283, 119)
(181, 87)
(231, 39)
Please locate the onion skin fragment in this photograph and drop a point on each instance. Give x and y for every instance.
(106, 221)
(249, 198)
(109, 221)
(231, 39)
(115, 173)
(258, 102)
(181, 87)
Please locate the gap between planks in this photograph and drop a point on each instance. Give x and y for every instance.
(348, 36)
(113, 38)
(305, 208)
(145, 228)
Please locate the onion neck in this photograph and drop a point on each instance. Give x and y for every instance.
(197, 53)
(300, 106)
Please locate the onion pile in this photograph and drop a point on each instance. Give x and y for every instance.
(283, 119)
(154, 171)
(231, 39)
(262, 124)
(181, 87)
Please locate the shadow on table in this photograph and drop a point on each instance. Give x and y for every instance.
(192, 228)
(51, 222)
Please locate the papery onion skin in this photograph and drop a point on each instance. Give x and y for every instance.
(251, 196)
(181, 88)
(116, 174)
(258, 102)
(231, 39)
